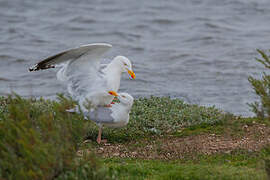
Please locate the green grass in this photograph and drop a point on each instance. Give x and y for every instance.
(237, 165)
(174, 170)
(231, 125)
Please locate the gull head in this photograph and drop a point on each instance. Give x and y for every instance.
(125, 99)
(125, 65)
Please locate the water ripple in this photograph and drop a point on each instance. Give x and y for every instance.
(200, 51)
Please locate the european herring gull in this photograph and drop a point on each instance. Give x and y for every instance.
(86, 78)
(115, 116)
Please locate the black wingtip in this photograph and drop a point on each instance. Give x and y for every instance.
(37, 67)
(33, 68)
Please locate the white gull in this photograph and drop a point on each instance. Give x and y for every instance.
(86, 78)
(115, 116)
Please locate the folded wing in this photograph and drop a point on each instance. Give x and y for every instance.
(101, 115)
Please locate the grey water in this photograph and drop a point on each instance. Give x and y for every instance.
(201, 51)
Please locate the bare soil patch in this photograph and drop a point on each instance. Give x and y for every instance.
(253, 138)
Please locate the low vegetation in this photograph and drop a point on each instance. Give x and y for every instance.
(39, 140)
(236, 165)
(160, 116)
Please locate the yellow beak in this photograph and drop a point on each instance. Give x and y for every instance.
(113, 93)
(132, 74)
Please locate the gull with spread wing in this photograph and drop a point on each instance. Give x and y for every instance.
(86, 78)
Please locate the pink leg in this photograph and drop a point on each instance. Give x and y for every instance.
(99, 135)
(99, 140)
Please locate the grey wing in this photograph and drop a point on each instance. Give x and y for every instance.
(101, 115)
(95, 49)
(80, 68)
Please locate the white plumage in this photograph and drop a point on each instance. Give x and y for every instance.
(84, 75)
(115, 116)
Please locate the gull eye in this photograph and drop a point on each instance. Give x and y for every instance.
(123, 96)
(125, 64)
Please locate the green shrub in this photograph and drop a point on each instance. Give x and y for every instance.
(262, 89)
(40, 140)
